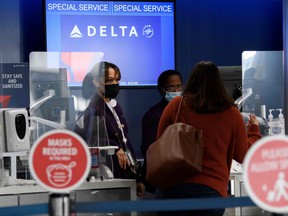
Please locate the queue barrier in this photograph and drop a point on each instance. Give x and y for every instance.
(135, 206)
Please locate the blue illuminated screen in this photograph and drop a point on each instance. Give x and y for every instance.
(136, 36)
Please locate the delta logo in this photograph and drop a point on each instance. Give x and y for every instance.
(110, 31)
(76, 33)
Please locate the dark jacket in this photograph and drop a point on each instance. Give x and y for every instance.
(97, 108)
(150, 123)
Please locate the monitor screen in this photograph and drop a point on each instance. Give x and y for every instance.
(137, 36)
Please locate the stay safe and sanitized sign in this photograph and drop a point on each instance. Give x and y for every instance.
(60, 161)
(265, 173)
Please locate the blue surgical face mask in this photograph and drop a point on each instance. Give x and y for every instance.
(170, 95)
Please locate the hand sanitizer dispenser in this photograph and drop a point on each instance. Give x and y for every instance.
(276, 125)
(17, 130)
(270, 122)
(281, 121)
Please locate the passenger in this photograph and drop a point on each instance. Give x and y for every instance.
(169, 85)
(103, 81)
(225, 136)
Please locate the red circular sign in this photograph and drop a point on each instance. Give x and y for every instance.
(60, 161)
(265, 173)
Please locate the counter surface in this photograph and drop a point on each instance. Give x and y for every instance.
(106, 184)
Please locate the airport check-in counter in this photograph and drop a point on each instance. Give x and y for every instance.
(107, 190)
(237, 189)
(263, 95)
(45, 113)
(51, 108)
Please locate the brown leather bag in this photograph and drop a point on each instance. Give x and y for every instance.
(176, 155)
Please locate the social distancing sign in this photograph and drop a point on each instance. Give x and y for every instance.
(60, 161)
(265, 173)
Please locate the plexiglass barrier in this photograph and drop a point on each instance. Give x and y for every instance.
(55, 90)
(52, 75)
(263, 89)
(64, 95)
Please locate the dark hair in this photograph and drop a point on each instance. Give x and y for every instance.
(100, 72)
(205, 90)
(163, 77)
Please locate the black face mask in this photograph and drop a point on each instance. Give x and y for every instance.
(111, 91)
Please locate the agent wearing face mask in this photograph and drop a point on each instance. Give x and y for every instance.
(169, 86)
(102, 84)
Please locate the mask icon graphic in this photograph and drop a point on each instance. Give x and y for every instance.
(60, 175)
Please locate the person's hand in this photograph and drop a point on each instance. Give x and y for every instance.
(122, 159)
(140, 189)
(252, 120)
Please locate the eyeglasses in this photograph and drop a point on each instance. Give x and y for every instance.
(174, 88)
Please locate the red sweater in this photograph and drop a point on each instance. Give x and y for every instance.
(225, 138)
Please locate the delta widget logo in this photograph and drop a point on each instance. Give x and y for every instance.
(148, 31)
